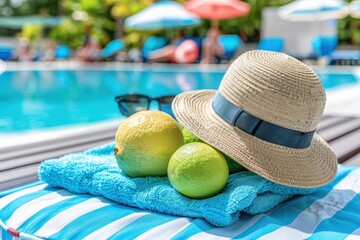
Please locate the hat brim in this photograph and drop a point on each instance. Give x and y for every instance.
(306, 168)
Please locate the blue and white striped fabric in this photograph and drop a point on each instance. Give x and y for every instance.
(95, 172)
(42, 212)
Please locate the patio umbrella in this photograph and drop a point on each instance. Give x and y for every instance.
(20, 21)
(218, 9)
(314, 10)
(162, 15)
(354, 9)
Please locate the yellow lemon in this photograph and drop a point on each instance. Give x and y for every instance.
(197, 170)
(145, 142)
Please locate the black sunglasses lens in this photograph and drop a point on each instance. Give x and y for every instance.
(165, 104)
(129, 105)
(166, 99)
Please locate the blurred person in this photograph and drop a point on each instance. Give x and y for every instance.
(211, 48)
(181, 50)
(90, 52)
(134, 55)
(48, 50)
(166, 54)
(24, 51)
(121, 56)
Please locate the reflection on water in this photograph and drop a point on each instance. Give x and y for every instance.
(39, 99)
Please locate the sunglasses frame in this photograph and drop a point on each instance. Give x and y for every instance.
(159, 100)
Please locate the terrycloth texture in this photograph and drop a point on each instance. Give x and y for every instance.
(95, 171)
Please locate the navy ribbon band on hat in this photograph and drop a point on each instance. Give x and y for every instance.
(259, 128)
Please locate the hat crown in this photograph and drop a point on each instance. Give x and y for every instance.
(276, 88)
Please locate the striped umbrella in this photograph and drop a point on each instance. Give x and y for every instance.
(314, 10)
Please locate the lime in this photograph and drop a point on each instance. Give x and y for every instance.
(145, 142)
(233, 165)
(190, 137)
(197, 170)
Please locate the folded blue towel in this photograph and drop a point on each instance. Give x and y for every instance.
(95, 171)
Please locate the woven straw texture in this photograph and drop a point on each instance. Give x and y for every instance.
(276, 88)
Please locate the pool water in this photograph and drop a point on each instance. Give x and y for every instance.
(33, 100)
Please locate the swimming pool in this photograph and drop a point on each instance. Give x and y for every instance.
(38, 99)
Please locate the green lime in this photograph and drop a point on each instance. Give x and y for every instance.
(145, 142)
(233, 165)
(197, 170)
(190, 137)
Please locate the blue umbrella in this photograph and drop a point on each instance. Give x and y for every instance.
(314, 10)
(162, 15)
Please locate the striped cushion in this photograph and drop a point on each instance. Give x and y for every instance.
(44, 212)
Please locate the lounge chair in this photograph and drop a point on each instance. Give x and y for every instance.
(6, 53)
(230, 44)
(112, 48)
(274, 44)
(151, 44)
(344, 57)
(62, 52)
(324, 45)
(57, 214)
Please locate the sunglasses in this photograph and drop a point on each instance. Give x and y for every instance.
(132, 103)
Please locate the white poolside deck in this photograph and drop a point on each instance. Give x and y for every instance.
(344, 101)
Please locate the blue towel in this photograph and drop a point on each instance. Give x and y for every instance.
(95, 171)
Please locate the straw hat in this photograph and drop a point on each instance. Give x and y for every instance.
(264, 116)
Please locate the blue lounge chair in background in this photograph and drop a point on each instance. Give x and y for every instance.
(230, 44)
(62, 52)
(112, 48)
(153, 43)
(324, 45)
(274, 44)
(344, 57)
(6, 53)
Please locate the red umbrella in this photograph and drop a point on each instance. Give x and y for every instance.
(218, 9)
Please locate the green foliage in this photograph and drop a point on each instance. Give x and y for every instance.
(70, 33)
(29, 7)
(248, 27)
(101, 16)
(349, 30)
(32, 32)
(126, 8)
(97, 23)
